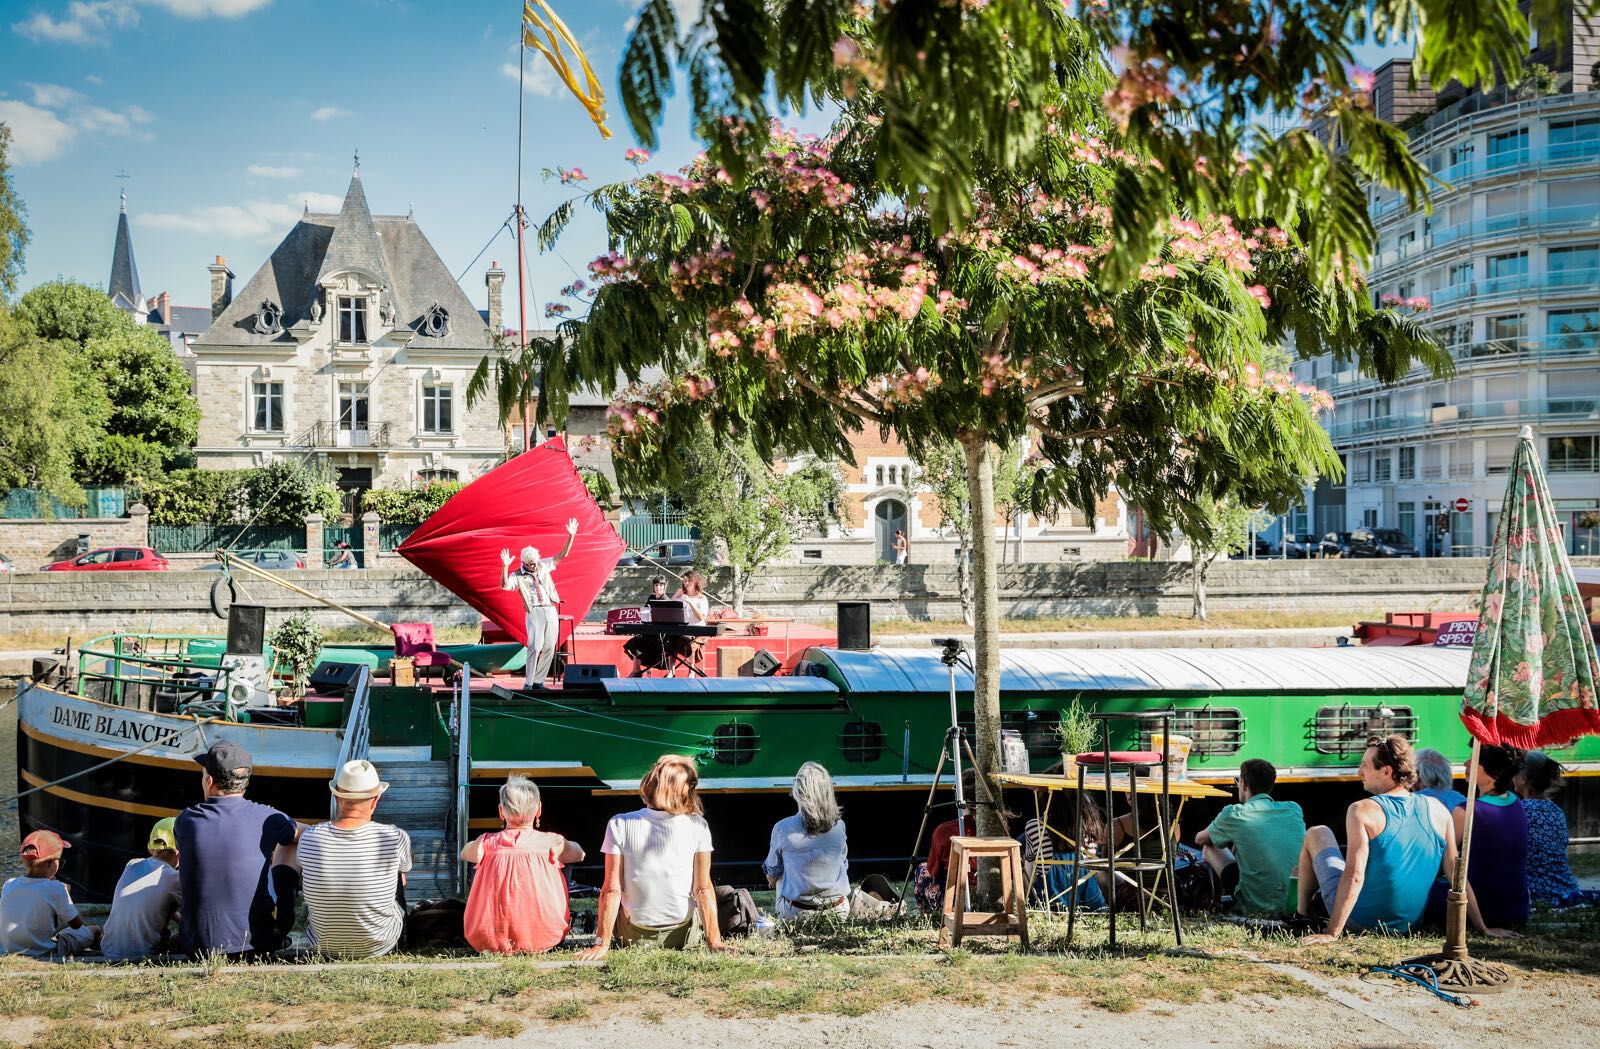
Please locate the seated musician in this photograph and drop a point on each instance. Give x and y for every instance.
(649, 651)
(693, 594)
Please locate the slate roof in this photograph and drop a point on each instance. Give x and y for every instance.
(391, 247)
(123, 287)
(191, 320)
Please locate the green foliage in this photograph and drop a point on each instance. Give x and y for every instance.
(1537, 81)
(287, 491)
(195, 496)
(51, 412)
(411, 505)
(13, 222)
(599, 485)
(149, 391)
(296, 643)
(1076, 729)
(117, 460)
(72, 310)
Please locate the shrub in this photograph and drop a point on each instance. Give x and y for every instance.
(296, 644)
(410, 505)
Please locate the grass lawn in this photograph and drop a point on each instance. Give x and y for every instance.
(827, 968)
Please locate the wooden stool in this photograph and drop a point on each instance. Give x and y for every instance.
(1013, 915)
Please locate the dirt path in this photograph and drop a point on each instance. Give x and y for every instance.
(1347, 1012)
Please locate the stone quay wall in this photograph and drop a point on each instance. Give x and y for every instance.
(84, 604)
(34, 541)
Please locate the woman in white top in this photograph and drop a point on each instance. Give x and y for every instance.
(658, 868)
(692, 593)
(806, 861)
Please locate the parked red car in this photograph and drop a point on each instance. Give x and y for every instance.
(113, 558)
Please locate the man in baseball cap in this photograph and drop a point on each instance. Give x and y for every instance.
(354, 870)
(145, 900)
(37, 916)
(228, 845)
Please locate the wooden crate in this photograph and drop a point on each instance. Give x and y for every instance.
(734, 660)
(401, 672)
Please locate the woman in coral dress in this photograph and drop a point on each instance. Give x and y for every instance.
(518, 902)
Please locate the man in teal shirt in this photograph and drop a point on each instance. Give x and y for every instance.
(1253, 846)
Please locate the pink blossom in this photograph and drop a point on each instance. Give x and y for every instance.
(1260, 294)
(636, 156)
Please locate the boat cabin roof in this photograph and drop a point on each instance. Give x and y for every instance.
(1205, 670)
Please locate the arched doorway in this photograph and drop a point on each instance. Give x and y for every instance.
(887, 518)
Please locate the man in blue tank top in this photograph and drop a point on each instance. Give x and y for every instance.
(1398, 843)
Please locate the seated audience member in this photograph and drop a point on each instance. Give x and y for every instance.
(353, 871)
(518, 901)
(1497, 867)
(1148, 847)
(1049, 875)
(145, 900)
(657, 886)
(37, 916)
(1253, 846)
(1435, 779)
(1550, 879)
(228, 845)
(806, 859)
(1399, 842)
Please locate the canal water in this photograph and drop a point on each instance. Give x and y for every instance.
(9, 862)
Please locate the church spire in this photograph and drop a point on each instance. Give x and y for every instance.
(123, 287)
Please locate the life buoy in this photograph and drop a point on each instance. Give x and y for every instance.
(223, 595)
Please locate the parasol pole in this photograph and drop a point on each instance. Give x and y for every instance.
(1455, 921)
(237, 564)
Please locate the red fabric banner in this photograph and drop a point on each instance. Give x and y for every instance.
(524, 502)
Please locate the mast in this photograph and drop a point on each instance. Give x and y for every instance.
(522, 258)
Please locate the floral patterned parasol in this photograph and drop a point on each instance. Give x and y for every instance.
(1533, 672)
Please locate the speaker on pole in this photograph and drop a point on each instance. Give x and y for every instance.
(765, 664)
(855, 626)
(247, 629)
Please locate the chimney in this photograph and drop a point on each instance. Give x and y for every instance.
(164, 307)
(221, 286)
(494, 280)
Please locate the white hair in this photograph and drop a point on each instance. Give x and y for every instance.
(519, 797)
(530, 553)
(1433, 770)
(813, 793)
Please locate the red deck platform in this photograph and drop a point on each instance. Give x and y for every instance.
(785, 640)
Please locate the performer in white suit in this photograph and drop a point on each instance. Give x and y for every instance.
(533, 580)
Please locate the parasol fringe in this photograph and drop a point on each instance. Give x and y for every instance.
(1555, 729)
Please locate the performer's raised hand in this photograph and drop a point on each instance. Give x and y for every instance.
(572, 526)
(505, 559)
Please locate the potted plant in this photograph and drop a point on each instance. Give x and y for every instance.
(295, 644)
(1076, 734)
(758, 626)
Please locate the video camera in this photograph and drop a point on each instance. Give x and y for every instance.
(952, 649)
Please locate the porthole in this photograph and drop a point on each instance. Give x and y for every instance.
(861, 741)
(735, 743)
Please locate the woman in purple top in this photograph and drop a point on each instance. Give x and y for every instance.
(1497, 867)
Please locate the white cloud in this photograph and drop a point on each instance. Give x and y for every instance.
(94, 79)
(539, 77)
(59, 116)
(255, 219)
(210, 8)
(37, 135)
(328, 113)
(84, 23)
(268, 171)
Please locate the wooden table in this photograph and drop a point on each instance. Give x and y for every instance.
(1049, 786)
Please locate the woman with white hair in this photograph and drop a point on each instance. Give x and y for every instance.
(518, 901)
(807, 861)
(1436, 779)
(537, 586)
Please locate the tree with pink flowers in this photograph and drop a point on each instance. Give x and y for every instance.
(807, 305)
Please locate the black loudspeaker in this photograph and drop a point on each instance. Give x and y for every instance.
(765, 664)
(855, 626)
(247, 629)
(586, 673)
(331, 679)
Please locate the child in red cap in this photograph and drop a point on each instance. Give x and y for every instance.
(37, 917)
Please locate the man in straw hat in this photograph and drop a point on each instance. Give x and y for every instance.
(37, 916)
(534, 581)
(146, 899)
(238, 897)
(353, 871)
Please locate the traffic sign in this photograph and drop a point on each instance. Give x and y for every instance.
(1463, 505)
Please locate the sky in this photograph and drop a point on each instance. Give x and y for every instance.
(227, 117)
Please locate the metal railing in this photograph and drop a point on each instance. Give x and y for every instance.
(329, 435)
(204, 538)
(1574, 217)
(355, 737)
(463, 734)
(642, 531)
(1489, 351)
(1458, 414)
(1516, 283)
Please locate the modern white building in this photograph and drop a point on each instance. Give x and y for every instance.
(1509, 259)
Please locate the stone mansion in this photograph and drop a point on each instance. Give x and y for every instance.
(352, 345)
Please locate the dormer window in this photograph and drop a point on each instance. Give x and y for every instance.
(436, 322)
(352, 319)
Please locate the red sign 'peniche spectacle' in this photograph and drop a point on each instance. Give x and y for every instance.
(525, 502)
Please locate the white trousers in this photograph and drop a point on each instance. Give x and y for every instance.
(543, 629)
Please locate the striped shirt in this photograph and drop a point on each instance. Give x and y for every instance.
(350, 877)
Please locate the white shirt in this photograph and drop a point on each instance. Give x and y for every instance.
(538, 587)
(349, 877)
(658, 852)
(31, 910)
(146, 897)
(700, 603)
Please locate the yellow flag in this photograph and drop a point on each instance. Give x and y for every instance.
(556, 36)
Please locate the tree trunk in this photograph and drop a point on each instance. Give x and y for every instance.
(738, 591)
(1199, 577)
(964, 573)
(986, 623)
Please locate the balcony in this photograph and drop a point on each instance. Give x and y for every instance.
(1551, 282)
(1487, 413)
(1493, 352)
(1574, 466)
(324, 435)
(1574, 218)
